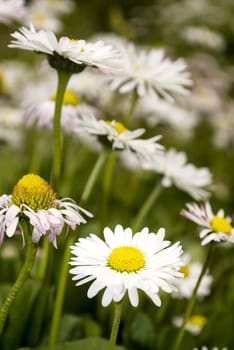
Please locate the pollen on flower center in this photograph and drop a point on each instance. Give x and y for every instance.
(185, 270)
(119, 127)
(33, 191)
(198, 320)
(219, 224)
(69, 98)
(126, 259)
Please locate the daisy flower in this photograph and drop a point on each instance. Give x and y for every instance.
(186, 285)
(34, 200)
(216, 227)
(124, 263)
(12, 11)
(42, 112)
(194, 324)
(206, 348)
(150, 71)
(66, 54)
(175, 170)
(116, 135)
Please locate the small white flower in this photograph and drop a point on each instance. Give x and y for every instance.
(12, 11)
(216, 227)
(175, 170)
(194, 324)
(120, 138)
(186, 285)
(34, 200)
(149, 71)
(124, 263)
(80, 52)
(206, 348)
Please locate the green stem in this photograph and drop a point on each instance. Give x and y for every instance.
(63, 78)
(115, 326)
(107, 180)
(192, 301)
(22, 277)
(60, 291)
(132, 107)
(147, 205)
(65, 266)
(93, 176)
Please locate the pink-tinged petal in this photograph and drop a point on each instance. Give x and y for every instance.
(11, 213)
(11, 228)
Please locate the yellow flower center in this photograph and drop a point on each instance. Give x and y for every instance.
(33, 191)
(126, 259)
(69, 98)
(185, 270)
(198, 320)
(119, 127)
(38, 18)
(138, 67)
(219, 224)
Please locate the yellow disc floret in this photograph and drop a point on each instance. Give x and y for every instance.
(198, 320)
(185, 270)
(69, 98)
(220, 224)
(126, 259)
(119, 127)
(33, 191)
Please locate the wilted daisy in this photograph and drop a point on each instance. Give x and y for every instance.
(150, 71)
(194, 324)
(34, 200)
(175, 170)
(66, 54)
(125, 262)
(12, 11)
(216, 227)
(185, 286)
(115, 135)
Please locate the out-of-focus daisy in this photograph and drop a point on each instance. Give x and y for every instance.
(124, 263)
(216, 227)
(204, 36)
(43, 112)
(66, 54)
(149, 71)
(191, 271)
(11, 122)
(175, 170)
(114, 134)
(194, 324)
(155, 111)
(45, 14)
(206, 348)
(12, 11)
(34, 200)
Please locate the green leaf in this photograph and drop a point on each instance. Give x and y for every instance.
(18, 316)
(140, 330)
(87, 344)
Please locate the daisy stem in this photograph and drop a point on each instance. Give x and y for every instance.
(192, 301)
(64, 265)
(60, 292)
(63, 78)
(131, 108)
(23, 275)
(93, 175)
(115, 326)
(147, 205)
